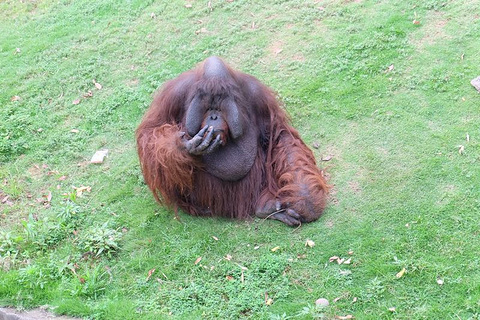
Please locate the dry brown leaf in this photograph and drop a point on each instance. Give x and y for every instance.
(349, 316)
(198, 260)
(416, 22)
(81, 190)
(350, 252)
(75, 102)
(348, 261)
(74, 131)
(269, 302)
(215, 238)
(89, 94)
(343, 296)
(468, 137)
(49, 196)
(334, 258)
(275, 249)
(345, 272)
(228, 257)
(15, 98)
(229, 278)
(188, 5)
(202, 30)
(401, 273)
(392, 309)
(461, 149)
(5, 198)
(150, 272)
(98, 86)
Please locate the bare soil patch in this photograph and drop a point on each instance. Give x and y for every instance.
(433, 30)
(34, 314)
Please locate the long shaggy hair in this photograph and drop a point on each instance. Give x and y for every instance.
(283, 171)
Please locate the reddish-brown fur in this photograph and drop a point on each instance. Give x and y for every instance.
(284, 168)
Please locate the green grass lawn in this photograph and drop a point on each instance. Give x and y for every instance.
(380, 88)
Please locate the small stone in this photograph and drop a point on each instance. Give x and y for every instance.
(327, 158)
(322, 302)
(476, 83)
(99, 156)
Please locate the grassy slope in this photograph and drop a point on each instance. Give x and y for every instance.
(403, 196)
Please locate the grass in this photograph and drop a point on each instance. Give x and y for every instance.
(380, 86)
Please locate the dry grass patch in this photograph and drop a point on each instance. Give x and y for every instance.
(432, 31)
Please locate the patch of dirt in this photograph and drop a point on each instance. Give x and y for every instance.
(36, 171)
(298, 57)
(447, 193)
(133, 82)
(275, 48)
(329, 224)
(9, 214)
(289, 48)
(34, 314)
(272, 17)
(282, 53)
(5, 199)
(332, 197)
(433, 30)
(355, 187)
(450, 188)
